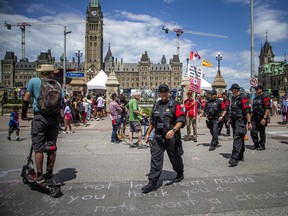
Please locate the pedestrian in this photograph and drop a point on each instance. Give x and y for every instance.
(167, 119)
(115, 115)
(67, 118)
(226, 118)
(100, 106)
(89, 101)
(240, 115)
(14, 124)
(261, 107)
(46, 108)
(274, 106)
(124, 115)
(85, 105)
(214, 114)
(191, 107)
(283, 109)
(134, 119)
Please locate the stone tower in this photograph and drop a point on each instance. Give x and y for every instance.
(93, 40)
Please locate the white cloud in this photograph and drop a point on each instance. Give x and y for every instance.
(270, 20)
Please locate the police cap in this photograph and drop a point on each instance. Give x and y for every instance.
(163, 87)
(235, 86)
(213, 92)
(258, 87)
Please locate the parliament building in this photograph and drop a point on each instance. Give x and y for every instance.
(141, 75)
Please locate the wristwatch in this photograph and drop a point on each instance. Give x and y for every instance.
(174, 130)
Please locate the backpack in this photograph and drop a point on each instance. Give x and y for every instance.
(50, 97)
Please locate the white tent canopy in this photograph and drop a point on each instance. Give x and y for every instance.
(205, 85)
(98, 82)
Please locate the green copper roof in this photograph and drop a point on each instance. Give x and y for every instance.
(276, 68)
(94, 3)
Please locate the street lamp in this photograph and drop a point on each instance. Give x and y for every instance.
(64, 60)
(78, 54)
(90, 73)
(218, 58)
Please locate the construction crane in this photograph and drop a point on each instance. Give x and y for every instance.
(23, 26)
(179, 32)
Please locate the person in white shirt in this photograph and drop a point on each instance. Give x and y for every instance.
(100, 106)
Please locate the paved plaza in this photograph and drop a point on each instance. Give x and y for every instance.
(100, 178)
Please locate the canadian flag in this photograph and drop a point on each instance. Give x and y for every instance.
(194, 55)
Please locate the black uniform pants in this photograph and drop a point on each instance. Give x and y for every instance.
(257, 127)
(239, 131)
(158, 146)
(225, 122)
(213, 127)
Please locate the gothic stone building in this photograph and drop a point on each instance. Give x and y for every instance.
(141, 75)
(273, 75)
(145, 74)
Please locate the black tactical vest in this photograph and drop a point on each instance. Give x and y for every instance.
(163, 116)
(213, 109)
(258, 106)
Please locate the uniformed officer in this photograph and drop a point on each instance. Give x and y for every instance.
(213, 111)
(260, 111)
(240, 115)
(166, 119)
(226, 118)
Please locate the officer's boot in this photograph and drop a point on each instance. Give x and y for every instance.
(151, 186)
(179, 177)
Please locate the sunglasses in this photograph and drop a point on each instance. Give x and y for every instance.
(163, 91)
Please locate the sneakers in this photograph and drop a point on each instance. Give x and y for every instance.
(40, 179)
(9, 138)
(18, 139)
(143, 146)
(134, 145)
(151, 186)
(48, 176)
(71, 132)
(64, 132)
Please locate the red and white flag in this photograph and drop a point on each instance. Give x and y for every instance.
(194, 55)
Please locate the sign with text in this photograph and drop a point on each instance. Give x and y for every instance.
(75, 74)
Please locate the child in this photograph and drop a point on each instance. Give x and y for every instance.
(67, 118)
(14, 124)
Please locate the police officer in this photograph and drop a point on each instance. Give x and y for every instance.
(213, 112)
(226, 118)
(260, 111)
(167, 118)
(240, 115)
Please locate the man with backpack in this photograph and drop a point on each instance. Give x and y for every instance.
(47, 97)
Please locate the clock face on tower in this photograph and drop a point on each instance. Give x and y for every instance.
(93, 13)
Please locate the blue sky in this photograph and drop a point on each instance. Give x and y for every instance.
(134, 26)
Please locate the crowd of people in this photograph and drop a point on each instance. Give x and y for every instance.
(167, 117)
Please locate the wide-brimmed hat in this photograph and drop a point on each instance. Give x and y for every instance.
(47, 68)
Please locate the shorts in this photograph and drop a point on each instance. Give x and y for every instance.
(68, 116)
(44, 131)
(99, 109)
(135, 126)
(12, 128)
(83, 114)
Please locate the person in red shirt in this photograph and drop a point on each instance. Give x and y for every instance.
(191, 113)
